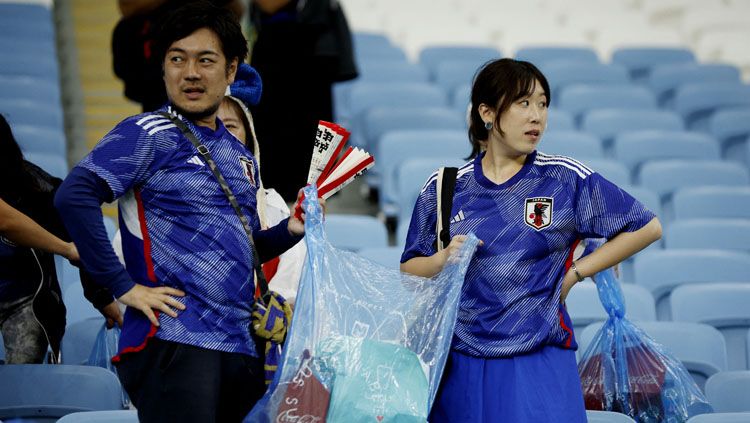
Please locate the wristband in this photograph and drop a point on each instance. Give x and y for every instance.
(575, 269)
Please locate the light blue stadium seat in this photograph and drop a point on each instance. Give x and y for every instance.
(2, 350)
(539, 56)
(24, 11)
(647, 196)
(720, 418)
(118, 416)
(666, 176)
(584, 307)
(32, 114)
(612, 170)
(398, 146)
(698, 346)
(44, 393)
(370, 40)
(565, 73)
(641, 60)
(386, 256)
(637, 147)
(41, 139)
(411, 175)
(720, 202)
(580, 98)
(374, 47)
(576, 144)
(30, 88)
(594, 416)
(725, 234)
(729, 391)
(52, 163)
(26, 64)
(431, 56)
(665, 79)
(78, 307)
(660, 271)
(454, 73)
(560, 120)
(725, 306)
(380, 120)
(460, 98)
(696, 102)
(354, 232)
(732, 128)
(78, 340)
(609, 123)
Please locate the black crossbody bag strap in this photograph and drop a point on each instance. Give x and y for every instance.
(446, 187)
(203, 150)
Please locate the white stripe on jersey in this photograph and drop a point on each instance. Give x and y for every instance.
(147, 118)
(467, 168)
(564, 164)
(153, 123)
(545, 157)
(161, 128)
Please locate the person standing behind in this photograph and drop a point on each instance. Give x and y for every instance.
(186, 352)
(302, 48)
(512, 357)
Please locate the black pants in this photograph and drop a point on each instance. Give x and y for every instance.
(171, 382)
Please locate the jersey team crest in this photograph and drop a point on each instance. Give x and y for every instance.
(538, 213)
(248, 169)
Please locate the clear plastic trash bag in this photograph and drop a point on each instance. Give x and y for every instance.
(105, 347)
(367, 343)
(626, 371)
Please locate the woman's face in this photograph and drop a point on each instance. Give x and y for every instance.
(230, 115)
(524, 122)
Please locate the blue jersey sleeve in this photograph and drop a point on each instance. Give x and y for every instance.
(421, 240)
(603, 209)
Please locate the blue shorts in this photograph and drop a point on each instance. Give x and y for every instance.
(542, 386)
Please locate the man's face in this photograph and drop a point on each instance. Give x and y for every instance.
(196, 75)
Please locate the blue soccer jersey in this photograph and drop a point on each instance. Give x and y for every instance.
(179, 230)
(530, 226)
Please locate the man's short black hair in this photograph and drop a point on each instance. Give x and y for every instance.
(194, 15)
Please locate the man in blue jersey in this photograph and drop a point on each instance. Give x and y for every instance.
(512, 357)
(186, 353)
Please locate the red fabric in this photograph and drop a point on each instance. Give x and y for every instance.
(305, 399)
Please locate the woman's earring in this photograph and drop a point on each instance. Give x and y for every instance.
(488, 125)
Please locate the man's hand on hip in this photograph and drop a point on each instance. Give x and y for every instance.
(148, 299)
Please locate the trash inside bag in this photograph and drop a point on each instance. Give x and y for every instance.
(626, 371)
(105, 347)
(367, 343)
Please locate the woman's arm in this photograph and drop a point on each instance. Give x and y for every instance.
(22, 230)
(617, 249)
(432, 265)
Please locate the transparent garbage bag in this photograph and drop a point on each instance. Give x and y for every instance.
(367, 343)
(626, 371)
(105, 347)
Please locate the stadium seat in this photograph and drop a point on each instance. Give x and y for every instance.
(729, 391)
(698, 346)
(576, 144)
(594, 416)
(646, 196)
(368, 41)
(720, 202)
(640, 61)
(612, 170)
(431, 57)
(660, 271)
(381, 120)
(460, 98)
(559, 120)
(731, 127)
(720, 418)
(354, 232)
(566, 73)
(52, 163)
(725, 234)
(636, 147)
(666, 176)
(411, 175)
(366, 95)
(119, 416)
(44, 393)
(386, 256)
(29, 88)
(78, 307)
(579, 99)
(696, 102)
(78, 340)
(35, 115)
(453, 73)
(2, 350)
(541, 55)
(40, 139)
(397, 146)
(609, 123)
(724, 306)
(665, 79)
(584, 306)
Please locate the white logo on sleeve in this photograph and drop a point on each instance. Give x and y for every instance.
(196, 161)
(458, 217)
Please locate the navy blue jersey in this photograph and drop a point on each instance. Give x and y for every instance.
(179, 230)
(530, 225)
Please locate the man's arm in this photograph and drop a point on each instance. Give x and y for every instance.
(20, 229)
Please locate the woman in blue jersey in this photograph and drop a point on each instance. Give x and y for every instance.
(512, 357)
